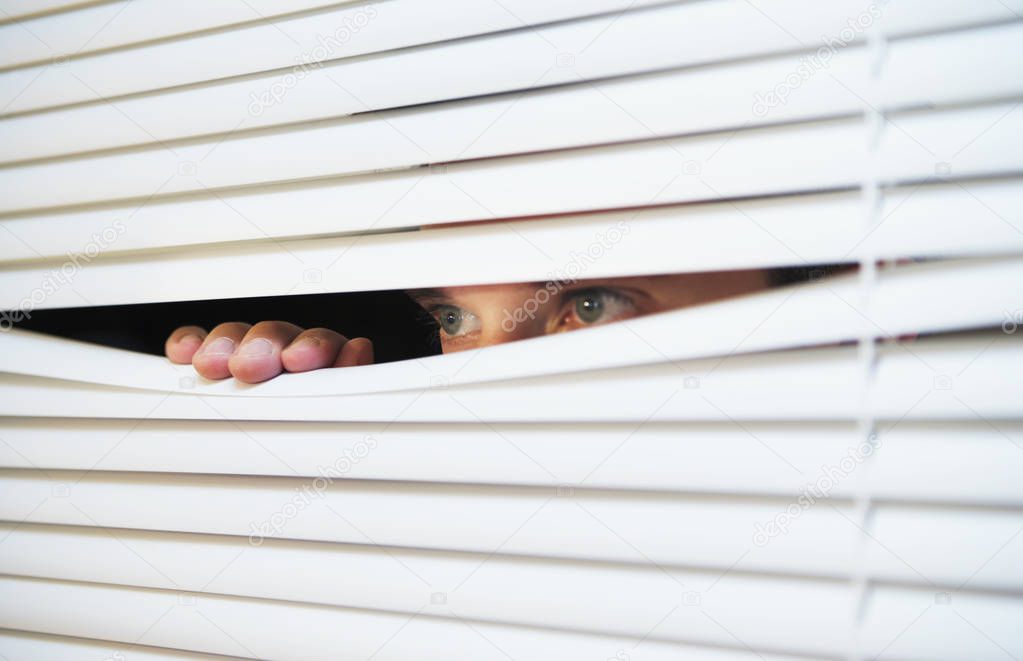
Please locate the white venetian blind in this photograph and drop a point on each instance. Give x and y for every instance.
(775, 476)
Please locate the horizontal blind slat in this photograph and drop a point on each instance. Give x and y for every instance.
(970, 462)
(919, 221)
(126, 22)
(690, 34)
(579, 523)
(316, 632)
(731, 95)
(939, 378)
(394, 28)
(941, 625)
(44, 647)
(535, 592)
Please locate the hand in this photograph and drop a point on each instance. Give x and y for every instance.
(257, 353)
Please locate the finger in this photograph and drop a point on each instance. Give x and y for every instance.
(183, 343)
(258, 358)
(358, 351)
(312, 349)
(211, 358)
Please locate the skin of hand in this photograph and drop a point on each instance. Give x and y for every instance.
(469, 318)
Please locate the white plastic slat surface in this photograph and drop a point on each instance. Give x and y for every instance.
(583, 113)
(613, 111)
(971, 462)
(922, 221)
(686, 35)
(253, 627)
(537, 592)
(19, 9)
(44, 647)
(126, 22)
(347, 32)
(965, 378)
(974, 142)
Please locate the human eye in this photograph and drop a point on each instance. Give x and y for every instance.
(455, 321)
(590, 307)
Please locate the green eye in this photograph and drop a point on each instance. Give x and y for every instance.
(589, 308)
(450, 319)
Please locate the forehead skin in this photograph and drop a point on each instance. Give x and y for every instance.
(491, 303)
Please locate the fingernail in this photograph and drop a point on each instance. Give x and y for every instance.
(222, 346)
(191, 338)
(310, 341)
(260, 346)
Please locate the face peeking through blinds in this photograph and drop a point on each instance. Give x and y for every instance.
(466, 317)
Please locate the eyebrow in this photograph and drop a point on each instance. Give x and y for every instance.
(428, 295)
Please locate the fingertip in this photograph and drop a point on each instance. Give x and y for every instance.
(355, 352)
(213, 359)
(257, 360)
(182, 344)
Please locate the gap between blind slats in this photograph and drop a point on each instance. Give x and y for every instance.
(504, 63)
(955, 295)
(967, 462)
(128, 22)
(316, 632)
